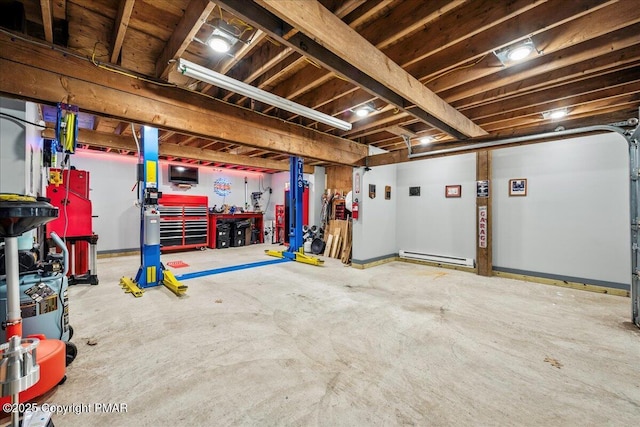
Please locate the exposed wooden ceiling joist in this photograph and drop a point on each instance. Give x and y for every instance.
(122, 23)
(47, 19)
(96, 90)
(193, 19)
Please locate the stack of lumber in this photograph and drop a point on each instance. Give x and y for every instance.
(338, 240)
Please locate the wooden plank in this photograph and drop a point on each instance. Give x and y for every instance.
(346, 247)
(120, 28)
(109, 94)
(337, 244)
(336, 241)
(328, 246)
(484, 254)
(194, 17)
(47, 19)
(327, 29)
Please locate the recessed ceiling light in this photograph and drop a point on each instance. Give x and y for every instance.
(426, 140)
(364, 110)
(555, 114)
(515, 52)
(218, 44)
(558, 114)
(520, 52)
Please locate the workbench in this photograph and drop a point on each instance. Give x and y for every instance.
(256, 219)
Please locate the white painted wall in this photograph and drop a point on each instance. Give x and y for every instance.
(112, 176)
(111, 179)
(20, 150)
(316, 187)
(574, 220)
(374, 233)
(431, 223)
(13, 147)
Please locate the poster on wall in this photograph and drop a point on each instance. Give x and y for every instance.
(482, 188)
(356, 183)
(482, 226)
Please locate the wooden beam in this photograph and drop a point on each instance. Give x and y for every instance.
(47, 19)
(120, 28)
(403, 16)
(483, 216)
(399, 131)
(104, 93)
(117, 142)
(311, 18)
(194, 17)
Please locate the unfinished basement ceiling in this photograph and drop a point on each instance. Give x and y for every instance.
(585, 59)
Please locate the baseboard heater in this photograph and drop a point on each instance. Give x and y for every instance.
(440, 259)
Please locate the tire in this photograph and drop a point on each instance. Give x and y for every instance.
(72, 352)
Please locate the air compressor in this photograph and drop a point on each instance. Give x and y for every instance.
(44, 301)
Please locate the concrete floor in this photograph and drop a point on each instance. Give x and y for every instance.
(399, 344)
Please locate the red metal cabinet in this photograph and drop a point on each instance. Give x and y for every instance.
(183, 222)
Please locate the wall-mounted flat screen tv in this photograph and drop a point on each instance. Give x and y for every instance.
(179, 174)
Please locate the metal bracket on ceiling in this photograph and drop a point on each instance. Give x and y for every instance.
(407, 141)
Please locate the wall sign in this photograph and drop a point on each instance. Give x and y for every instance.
(453, 191)
(518, 187)
(482, 226)
(482, 188)
(372, 191)
(387, 192)
(222, 187)
(356, 183)
(414, 191)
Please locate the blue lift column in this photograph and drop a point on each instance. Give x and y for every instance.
(151, 272)
(295, 251)
(296, 188)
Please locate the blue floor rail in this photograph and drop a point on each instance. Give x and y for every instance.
(203, 273)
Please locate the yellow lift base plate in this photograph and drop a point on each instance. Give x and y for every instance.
(298, 256)
(130, 287)
(170, 281)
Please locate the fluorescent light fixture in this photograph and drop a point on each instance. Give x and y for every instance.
(426, 140)
(516, 52)
(198, 72)
(555, 114)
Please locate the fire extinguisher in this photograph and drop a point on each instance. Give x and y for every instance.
(354, 209)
